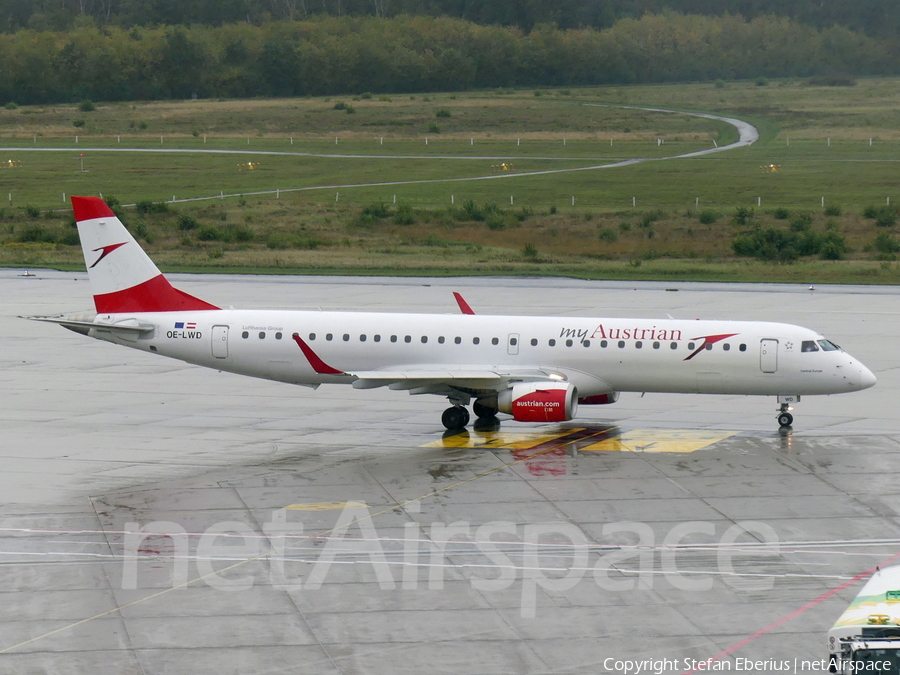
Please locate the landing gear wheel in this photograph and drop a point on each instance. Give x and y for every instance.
(456, 417)
(482, 411)
(785, 419)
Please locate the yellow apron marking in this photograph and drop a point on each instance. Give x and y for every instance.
(659, 440)
(324, 506)
(499, 440)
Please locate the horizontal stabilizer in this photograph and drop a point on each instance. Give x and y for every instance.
(129, 327)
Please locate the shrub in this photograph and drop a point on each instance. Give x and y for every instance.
(530, 252)
(443, 112)
(70, 238)
(32, 211)
(350, 110)
(146, 206)
(340, 105)
(11, 105)
(433, 128)
(496, 222)
(278, 241)
(405, 215)
(886, 242)
(651, 217)
(186, 222)
(78, 123)
(770, 244)
(366, 95)
(238, 233)
(743, 215)
(801, 222)
(833, 210)
(761, 82)
(781, 213)
(708, 217)
(34, 234)
(210, 233)
(609, 236)
(87, 106)
(720, 84)
(833, 246)
(887, 217)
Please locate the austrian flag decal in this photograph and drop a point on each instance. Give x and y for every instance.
(181, 325)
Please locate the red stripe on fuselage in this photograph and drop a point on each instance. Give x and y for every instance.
(155, 295)
(317, 364)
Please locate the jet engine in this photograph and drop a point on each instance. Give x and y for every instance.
(539, 401)
(600, 399)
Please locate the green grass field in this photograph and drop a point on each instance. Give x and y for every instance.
(639, 221)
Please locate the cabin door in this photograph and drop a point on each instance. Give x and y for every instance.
(220, 342)
(768, 355)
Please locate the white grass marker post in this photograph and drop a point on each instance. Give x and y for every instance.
(248, 140)
(564, 142)
(823, 202)
(829, 141)
(658, 142)
(471, 141)
(204, 140)
(335, 140)
(35, 140)
(277, 193)
(160, 140)
(221, 194)
(426, 140)
(610, 142)
(696, 202)
(888, 201)
(292, 140)
(336, 197)
(76, 139)
(101, 195)
(64, 197)
(452, 200)
(788, 141)
(382, 141)
(395, 199)
(173, 198)
(518, 141)
(870, 142)
(118, 139)
(715, 144)
(759, 201)
(510, 200)
(634, 201)
(573, 200)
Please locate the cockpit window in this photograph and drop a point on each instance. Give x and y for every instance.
(828, 346)
(809, 346)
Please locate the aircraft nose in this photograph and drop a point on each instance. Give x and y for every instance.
(866, 378)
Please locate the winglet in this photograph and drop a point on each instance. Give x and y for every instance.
(463, 305)
(318, 364)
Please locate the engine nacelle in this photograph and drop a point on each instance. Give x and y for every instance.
(600, 399)
(539, 401)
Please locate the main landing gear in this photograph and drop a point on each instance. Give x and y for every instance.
(457, 416)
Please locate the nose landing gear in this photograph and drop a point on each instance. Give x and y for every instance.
(785, 419)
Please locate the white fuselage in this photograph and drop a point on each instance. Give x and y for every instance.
(597, 355)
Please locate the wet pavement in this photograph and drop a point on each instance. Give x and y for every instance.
(156, 517)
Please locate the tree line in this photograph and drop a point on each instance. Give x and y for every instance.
(341, 55)
(874, 17)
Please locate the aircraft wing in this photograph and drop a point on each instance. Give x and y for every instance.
(439, 376)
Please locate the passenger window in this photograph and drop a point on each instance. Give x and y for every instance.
(708, 347)
(262, 335)
(457, 340)
(533, 342)
(726, 347)
(312, 336)
(690, 345)
(513, 342)
(655, 345)
(552, 342)
(809, 346)
(828, 346)
(586, 343)
(441, 340)
(568, 343)
(362, 338)
(674, 345)
(424, 339)
(346, 337)
(603, 343)
(743, 348)
(638, 344)
(376, 338)
(476, 340)
(621, 344)
(407, 339)
(393, 338)
(495, 341)
(277, 336)
(329, 337)
(245, 335)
